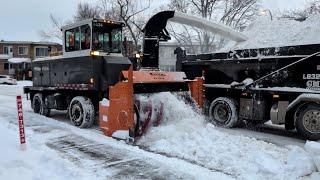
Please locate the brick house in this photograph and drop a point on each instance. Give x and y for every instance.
(16, 56)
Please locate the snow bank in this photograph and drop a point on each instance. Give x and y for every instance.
(19, 60)
(300, 163)
(14, 90)
(38, 162)
(184, 134)
(314, 149)
(279, 32)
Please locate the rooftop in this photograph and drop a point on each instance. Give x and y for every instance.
(29, 42)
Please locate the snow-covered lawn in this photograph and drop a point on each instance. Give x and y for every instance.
(190, 148)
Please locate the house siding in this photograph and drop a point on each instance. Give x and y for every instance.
(30, 54)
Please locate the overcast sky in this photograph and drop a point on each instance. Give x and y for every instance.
(23, 19)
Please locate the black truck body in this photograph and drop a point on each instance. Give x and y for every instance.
(102, 71)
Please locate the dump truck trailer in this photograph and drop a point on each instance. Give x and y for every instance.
(92, 77)
(281, 84)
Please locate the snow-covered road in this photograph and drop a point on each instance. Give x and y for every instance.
(81, 153)
(180, 149)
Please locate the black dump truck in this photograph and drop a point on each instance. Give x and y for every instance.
(256, 85)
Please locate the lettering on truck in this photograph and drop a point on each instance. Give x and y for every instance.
(312, 82)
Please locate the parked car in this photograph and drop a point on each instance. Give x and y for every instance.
(5, 79)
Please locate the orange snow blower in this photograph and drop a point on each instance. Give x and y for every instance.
(124, 114)
(120, 116)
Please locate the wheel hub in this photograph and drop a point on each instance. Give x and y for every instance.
(37, 105)
(311, 121)
(221, 113)
(77, 114)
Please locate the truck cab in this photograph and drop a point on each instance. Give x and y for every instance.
(92, 37)
(92, 52)
(90, 63)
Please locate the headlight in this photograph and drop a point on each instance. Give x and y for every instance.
(95, 53)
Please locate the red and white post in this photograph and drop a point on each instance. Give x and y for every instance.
(21, 124)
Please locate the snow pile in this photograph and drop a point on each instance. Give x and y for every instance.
(280, 32)
(19, 60)
(299, 162)
(184, 134)
(37, 162)
(15, 89)
(24, 83)
(314, 149)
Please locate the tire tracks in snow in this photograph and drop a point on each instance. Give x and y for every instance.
(101, 158)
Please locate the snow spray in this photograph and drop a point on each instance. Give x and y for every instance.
(21, 124)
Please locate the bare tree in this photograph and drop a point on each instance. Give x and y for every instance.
(54, 34)
(131, 12)
(312, 7)
(234, 13)
(86, 11)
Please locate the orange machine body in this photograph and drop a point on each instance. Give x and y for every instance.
(155, 77)
(118, 115)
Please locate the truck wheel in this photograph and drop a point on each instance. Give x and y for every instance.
(81, 112)
(308, 121)
(223, 112)
(38, 105)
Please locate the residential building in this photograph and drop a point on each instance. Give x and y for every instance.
(16, 56)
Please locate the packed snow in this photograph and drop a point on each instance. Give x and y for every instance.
(197, 149)
(288, 32)
(19, 60)
(37, 162)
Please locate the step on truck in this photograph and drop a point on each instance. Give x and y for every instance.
(92, 77)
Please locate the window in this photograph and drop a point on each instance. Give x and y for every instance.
(85, 37)
(5, 50)
(42, 51)
(116, 40)
(23, 50)
(72, 40)
(107, 38)
(6, 66)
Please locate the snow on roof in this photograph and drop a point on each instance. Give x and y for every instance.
(29, 42)
(19, 60)
(4, 56)
(279, 32)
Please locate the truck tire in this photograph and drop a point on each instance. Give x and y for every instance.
(223, 112)
(39, 106)
(308, 121)
(81, 112)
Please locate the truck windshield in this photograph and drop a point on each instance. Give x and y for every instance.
(107, 37)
